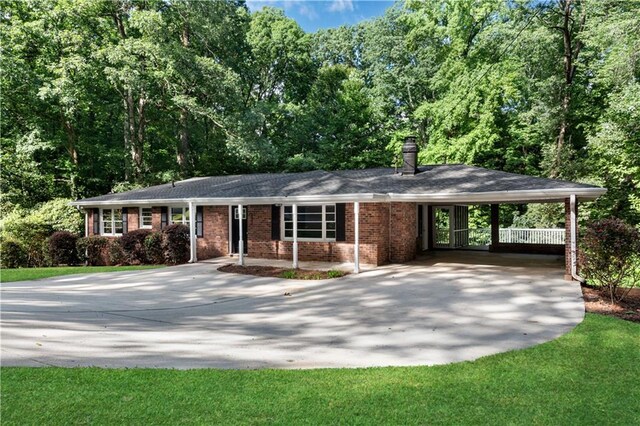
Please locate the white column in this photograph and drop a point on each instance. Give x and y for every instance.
(294, 209)
(240, 241)
(356, 237)
(86, 222)
(574, 235)
(193, 241)
(452, 226)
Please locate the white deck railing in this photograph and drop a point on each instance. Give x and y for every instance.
(482, 236)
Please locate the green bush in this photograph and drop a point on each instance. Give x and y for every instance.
(12, 254)
(610, 255)
(31, 228)
(116, 253)
(133, 246)
(62, 248)
(93, 250)
(153, 248)
(334, 274)
(175, 244)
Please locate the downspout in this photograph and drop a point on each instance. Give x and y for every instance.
(574, 238)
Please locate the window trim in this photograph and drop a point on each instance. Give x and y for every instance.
(324, 238)
(185, 218)
(113, 222)
(140, 224)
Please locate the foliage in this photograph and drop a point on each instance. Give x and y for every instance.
(28, 274)
(93, 249)
(110, 96)
(62, 248)
(133, 245)
(579, 378)
(153, 248)
(175, 244)
(116, 253)
(12, 254)
(610, 255)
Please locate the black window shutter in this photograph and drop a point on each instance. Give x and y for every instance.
(96, 221)
(164, 217)
(199, 222)
(275, 222)
(125, 220)
(340, 232)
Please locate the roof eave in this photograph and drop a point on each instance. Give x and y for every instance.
(522, 196)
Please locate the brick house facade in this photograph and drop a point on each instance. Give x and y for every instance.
(388, 233)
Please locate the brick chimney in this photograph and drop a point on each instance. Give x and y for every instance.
(409, 156)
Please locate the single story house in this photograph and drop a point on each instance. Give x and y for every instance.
(373, 216)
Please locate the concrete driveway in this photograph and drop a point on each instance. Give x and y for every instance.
(437, 310)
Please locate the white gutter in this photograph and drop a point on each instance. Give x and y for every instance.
(545, 195)
(574, 240)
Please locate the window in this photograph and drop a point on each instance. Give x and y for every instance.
(145, 217)
(179, 215)
(314, 222)
(111, 222)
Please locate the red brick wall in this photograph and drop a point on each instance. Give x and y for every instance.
(90, 220)
(374, 237)
(215, 241)
(403, 231)
(133, 218)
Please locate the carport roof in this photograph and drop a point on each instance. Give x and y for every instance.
(449, 183)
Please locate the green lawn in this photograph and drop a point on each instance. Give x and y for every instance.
(589, 376)
(26, 274)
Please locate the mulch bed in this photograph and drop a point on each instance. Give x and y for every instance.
(598, 301)
(272, 271)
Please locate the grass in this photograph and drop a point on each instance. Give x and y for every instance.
(589, 376)
(27, 274)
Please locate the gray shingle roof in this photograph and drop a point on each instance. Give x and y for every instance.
(434, 179)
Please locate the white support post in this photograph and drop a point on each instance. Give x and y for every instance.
(294, 209)
(452, 226)
(574, 238)
(356, 237)
(86, 223)
(193, 241)
(240, 241)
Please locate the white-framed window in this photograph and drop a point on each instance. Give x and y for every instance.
(179, 215)
(111, 222)
(315, 223)
(145, 217)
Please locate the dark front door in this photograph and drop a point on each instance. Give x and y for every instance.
(235, 229)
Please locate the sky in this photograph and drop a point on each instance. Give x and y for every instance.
(313, 15)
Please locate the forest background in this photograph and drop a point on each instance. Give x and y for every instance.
(101, 95)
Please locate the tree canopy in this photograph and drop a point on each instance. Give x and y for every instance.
(100, 96)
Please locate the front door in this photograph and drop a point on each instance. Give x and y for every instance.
(235, 230)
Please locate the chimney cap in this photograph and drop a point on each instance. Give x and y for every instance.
(410, 144)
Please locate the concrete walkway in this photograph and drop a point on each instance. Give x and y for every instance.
(437, 310)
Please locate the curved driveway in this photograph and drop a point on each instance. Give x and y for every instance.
(439, 310)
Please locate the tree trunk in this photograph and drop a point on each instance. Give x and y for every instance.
(184, 148)
(72, 141)
(571, 47)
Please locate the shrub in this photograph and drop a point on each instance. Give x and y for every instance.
(175, 244)
(116, 253)
(92, 249)
(153, 248)
(12, 254)
(334, 274)
(133, 245)
(610, 252)
(62, 248)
